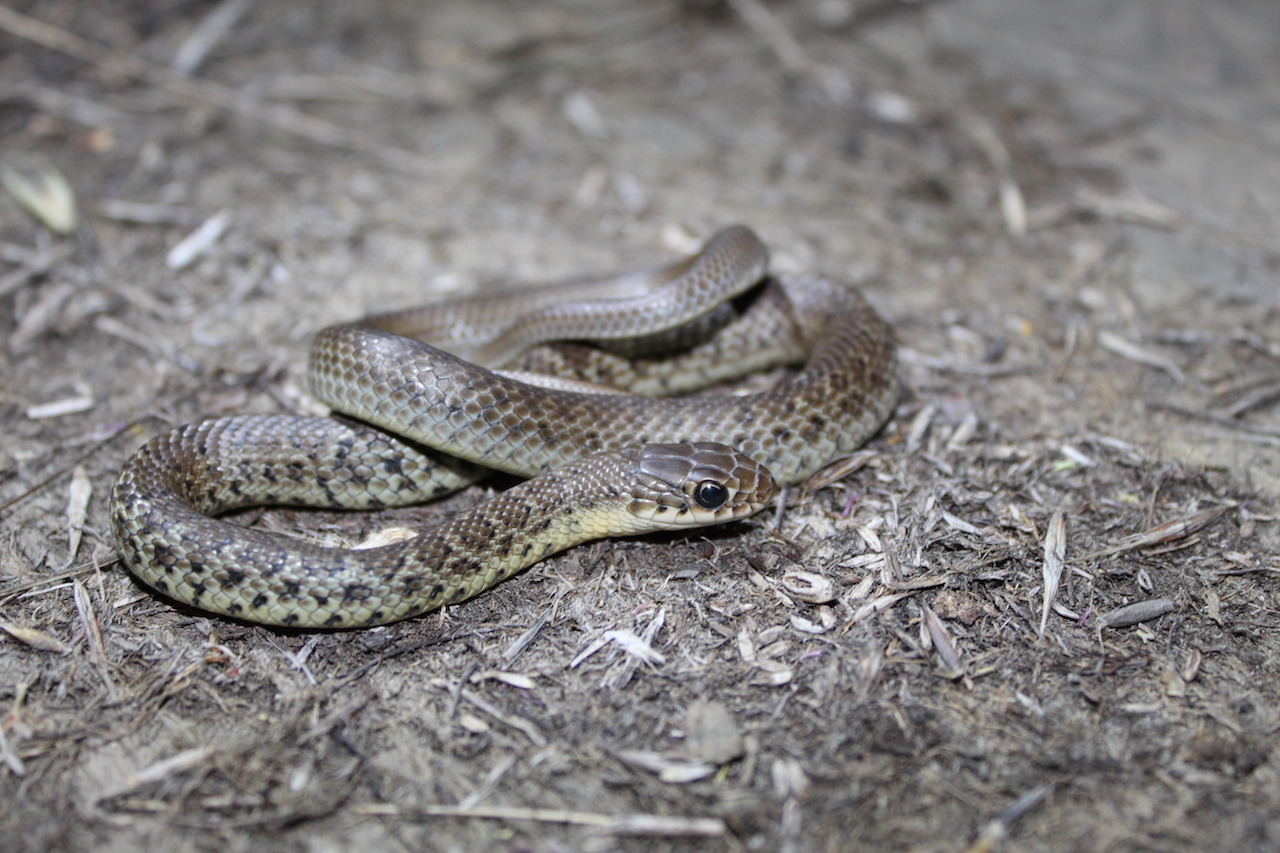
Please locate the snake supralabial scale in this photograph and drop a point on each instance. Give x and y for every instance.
(603, 464)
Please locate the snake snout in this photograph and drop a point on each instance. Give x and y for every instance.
(698, 483)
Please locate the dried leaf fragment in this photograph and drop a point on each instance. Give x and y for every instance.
(1191, 665)
(42, 190)
(35, 639)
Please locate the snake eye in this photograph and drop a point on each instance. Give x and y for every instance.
(710, 495)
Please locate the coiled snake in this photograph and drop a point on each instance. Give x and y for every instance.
(603, 463)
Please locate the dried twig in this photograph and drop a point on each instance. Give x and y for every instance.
(516, 722)
(213, 28)
(71, 466)
(779, 39)
(1113, 343)
(1263, 396)
(213, 94)
(997, 830)
(1218, 420)
(626, 824)
(1170, 531)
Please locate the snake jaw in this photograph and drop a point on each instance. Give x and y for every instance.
(697, 484)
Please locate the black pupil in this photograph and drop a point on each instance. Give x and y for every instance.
(710, 494)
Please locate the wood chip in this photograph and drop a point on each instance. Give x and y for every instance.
(1136, 613)
(711, 733)
(809, 587)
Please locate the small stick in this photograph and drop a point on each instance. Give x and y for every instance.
(789, 52)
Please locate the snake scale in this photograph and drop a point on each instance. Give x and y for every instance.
(602, 463)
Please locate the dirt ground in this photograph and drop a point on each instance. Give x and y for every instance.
(1069, 213)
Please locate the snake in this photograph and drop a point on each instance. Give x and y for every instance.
(427, 400)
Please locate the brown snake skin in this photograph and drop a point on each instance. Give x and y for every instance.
(603, 464)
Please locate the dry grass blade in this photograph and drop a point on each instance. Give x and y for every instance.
(93, 632)
(167, 767)
(626, 824)
(516, 722)
(155, 345)
(1113, 343)
(77, 510)
(81, 402)
(1258, 432)
(42, 316)
(35, 639)
(1261, 397)
(789, 51)
(1170, 531)
(884, 602)
(672, 771)
(198, 242)
(1055, 554)
(997, 830)
(940, 637)
(205, 36)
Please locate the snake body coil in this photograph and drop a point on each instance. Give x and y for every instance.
(603, 464)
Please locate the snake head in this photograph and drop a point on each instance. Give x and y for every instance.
(696, 484)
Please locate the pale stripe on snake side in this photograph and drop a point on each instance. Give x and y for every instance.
(591, 476)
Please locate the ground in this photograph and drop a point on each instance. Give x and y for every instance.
(1067, 211)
